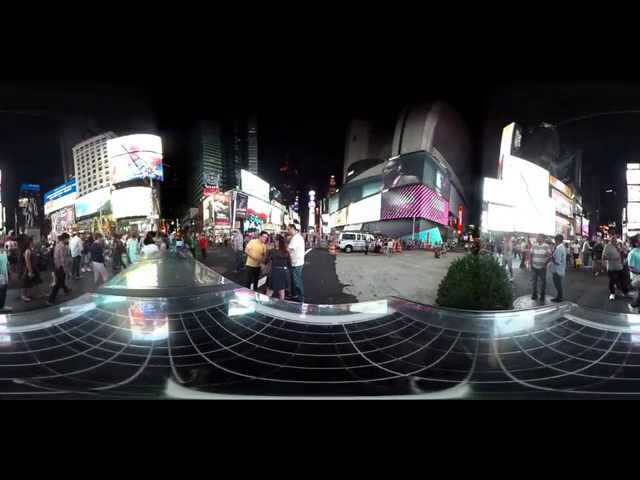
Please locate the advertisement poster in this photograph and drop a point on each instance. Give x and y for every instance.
(241, 205)
(62, 220)
(135, 156)
(415, 201)
(221, 204)
(341, 217)
(63, 196)
(403, 170)
(98, 201)
(367, 210)
(254, 185)
(132, 202)
(208, 209)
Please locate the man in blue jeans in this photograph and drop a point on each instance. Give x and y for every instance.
(296, 249)
(558, 267)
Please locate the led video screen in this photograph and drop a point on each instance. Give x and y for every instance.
(132, 202)
(98, 201)
(135, 156)
(254, 185)
(367, 210)
(414, 201)
(63, 196)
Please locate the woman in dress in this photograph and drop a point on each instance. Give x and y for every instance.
(280, 261)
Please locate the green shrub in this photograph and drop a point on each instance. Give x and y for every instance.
(475, 283)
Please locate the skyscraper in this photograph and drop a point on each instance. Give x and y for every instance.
(252, 144)
(91, 163)
(208, 159)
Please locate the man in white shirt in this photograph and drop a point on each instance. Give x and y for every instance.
(296, 249)
(75, 245)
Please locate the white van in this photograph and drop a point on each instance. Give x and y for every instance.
(354, 241)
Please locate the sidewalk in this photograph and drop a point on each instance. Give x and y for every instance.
(40, 293)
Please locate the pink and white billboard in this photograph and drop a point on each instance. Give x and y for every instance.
(414, 201)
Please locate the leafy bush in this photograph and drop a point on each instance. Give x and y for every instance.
(475, 283)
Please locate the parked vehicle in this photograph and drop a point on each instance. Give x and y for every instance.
(354, 241)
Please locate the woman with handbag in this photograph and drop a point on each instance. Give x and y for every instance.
(279, 262)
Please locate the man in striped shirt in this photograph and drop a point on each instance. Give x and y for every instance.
(540, 256)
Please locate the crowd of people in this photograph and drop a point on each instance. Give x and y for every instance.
(620, 260)
(68, 257)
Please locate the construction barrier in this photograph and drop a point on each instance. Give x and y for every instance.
(332, 248)
(398, 247)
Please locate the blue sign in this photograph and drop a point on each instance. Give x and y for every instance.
(65, 189)
(29, 187)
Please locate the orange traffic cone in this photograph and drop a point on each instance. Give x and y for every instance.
(332, 248)
(399, 247)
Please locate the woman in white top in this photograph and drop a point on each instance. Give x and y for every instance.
(150, 246)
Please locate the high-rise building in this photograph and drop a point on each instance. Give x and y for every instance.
(91, 163)
(252, 144)
(207, 159)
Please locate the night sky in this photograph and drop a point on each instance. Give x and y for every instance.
(309, 131)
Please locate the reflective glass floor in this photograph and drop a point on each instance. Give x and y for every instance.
(172, 328)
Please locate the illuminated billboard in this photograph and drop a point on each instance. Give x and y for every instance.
(560, 186)
(340, 217)
(633, 193)
(497, 191)
(414, 201)
(633, 177)
(254, 185)
(367, 210)
(62, 220)
(63, 196)
(222, 209)
(256, 206)
(633, 212)
(585, 227)
(241, 205)
(135, 156)
(562, 204)
(500, 218)
(208, 210)
(132, 202)
(98, 201)
(563, 227)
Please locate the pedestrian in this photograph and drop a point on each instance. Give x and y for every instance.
(238, 250)
(366, 245)
(132, 248)
(558, 267)
(59, 255)
(389, 247)
(97, 260)
(256, 251)
(598, 250)
(29, 264)
(586, 253)
(611, 254)
(150, 248)
(279, 260)
(507, 255)
(4, 278)
(202, 244)
(297, 251)
(118, 250)
(633, 260)
(575, 250)
(75, 246)
(86, 253)
(540, 257)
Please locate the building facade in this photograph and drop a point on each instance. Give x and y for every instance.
(91, 163)
(252, 144)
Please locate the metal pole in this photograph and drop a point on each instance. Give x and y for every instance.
(413, 228)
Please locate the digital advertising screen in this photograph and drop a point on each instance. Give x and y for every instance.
(633, 193)
(633, 177)
(404, 170)
(497, 191)
(414, 201)
(561, 186)
(562, 204)
(367, 210)
(148, 321)
(277, 215)
(63, 196)
(63, 220)
(132, 202)
(94, 202)
(341, 217)
(29, 188)
(257, 206)
(585, 227)
(135, 156)
(241, 205)
(563, 227)
(499, 218)
(254, 185)
(221, 208)
(208, 210)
